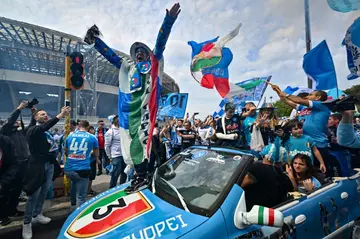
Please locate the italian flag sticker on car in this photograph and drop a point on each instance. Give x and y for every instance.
(269, 216)
(112, 211)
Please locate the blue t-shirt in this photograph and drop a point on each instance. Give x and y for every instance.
(316, 120)
(301, 145)
(247, 123)
(300, 108)
(79, 145)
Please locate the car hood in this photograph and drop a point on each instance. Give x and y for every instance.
(115, 214)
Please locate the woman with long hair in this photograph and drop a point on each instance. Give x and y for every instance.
(303, 174)
(265, 125)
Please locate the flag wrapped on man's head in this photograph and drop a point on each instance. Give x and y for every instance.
(210, 62)
(352, 43)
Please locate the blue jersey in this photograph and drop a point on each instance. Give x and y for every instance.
(79, 145)
(316, 120)
(300, 145)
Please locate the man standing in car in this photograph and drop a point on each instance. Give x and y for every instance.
(316, 117)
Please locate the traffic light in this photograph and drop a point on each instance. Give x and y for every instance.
(77, 71)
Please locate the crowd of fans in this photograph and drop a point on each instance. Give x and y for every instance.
(307, 146)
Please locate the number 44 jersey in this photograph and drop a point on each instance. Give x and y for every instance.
(79, 145)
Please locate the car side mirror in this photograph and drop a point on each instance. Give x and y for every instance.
(259, 215)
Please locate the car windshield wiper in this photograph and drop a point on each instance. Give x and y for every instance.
(181, 198)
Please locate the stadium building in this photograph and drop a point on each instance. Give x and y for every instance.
(32, 65)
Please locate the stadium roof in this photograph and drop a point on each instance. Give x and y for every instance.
(35, 49)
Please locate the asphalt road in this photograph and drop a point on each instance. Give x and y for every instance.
(48, 231)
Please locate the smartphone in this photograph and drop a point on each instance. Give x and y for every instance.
(277, 127)
(67, 103)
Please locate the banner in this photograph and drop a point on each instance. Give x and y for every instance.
(344, 5)
(250, 90)
(254, 89)
(173, 105)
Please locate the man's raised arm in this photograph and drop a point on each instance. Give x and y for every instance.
(165, 30)
(92, 36)
(292, 98)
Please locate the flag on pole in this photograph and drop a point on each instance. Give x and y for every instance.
(319, 66)
(248, 90)
(221, 109)
(210, 62)
(352, 43)
(297, 90)
(344, 5)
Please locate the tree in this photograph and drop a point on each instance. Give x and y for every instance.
(282, 109)
(354, 90)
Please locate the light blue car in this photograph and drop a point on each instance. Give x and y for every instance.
(196, 194)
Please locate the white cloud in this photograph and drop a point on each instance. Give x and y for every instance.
(272, 28)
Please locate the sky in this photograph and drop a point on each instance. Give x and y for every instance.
(271, 40)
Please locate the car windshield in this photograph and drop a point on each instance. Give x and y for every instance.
(200, 176)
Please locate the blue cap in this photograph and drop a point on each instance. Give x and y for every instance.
(276, 157)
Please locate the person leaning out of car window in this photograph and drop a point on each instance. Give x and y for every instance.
(187, 135)
(303, 174)
(265, 183)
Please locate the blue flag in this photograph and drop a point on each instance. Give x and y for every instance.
(319, 66)
(352, 43)
(335, 93)
(344, 5)
(297, 90)
(173, 105)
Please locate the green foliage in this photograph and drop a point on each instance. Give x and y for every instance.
(282, 109)
(355, 89)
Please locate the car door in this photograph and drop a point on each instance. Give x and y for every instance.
(320, 213)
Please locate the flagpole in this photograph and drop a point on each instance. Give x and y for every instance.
(267, 80)
(307, 34)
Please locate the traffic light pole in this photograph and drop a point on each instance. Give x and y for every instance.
(67, 118)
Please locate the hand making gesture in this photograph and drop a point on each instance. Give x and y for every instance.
(174, 11)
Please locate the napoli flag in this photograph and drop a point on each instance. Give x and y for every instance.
(319, 66)
(352, 43)
(344, 5)
(210, 62)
